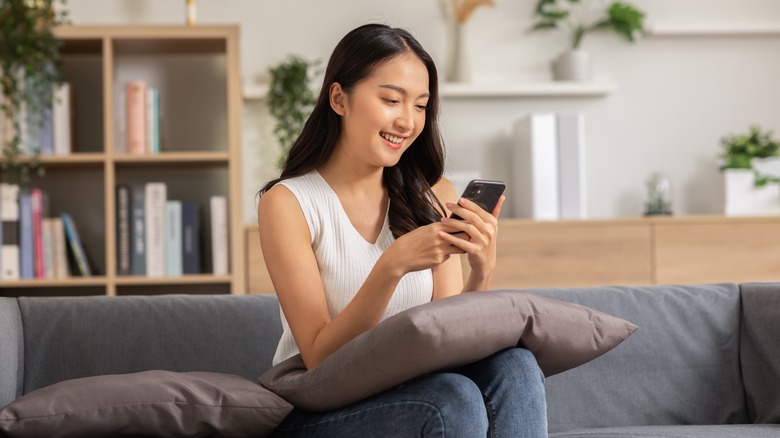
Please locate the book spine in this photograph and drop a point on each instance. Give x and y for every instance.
(173, 245)
(26, 237)
(135, 93)
(62, 119)
(47, 232)
(123, 256)
(37, 217)
(154, 205)
(47, 132)
(190, 224)
(74, 243)
(138, 231)
(9, 216)
(219, 235)
(60, 250)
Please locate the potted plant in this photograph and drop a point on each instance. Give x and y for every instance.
(290, 100)
(578, 18)
(750, 162)
(30, 66)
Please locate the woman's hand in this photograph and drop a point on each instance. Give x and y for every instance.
(419, 249)
(481, 229)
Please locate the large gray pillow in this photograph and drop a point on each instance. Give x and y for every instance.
(149, 403)
(448, 333)
(760, 350)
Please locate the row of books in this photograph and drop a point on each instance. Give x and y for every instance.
(548, 167)
(35, 245)
(49, 132)
(161, 237)
(138, 119)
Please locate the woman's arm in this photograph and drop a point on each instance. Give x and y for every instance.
(286, 243)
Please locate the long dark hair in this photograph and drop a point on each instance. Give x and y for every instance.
(409, 182)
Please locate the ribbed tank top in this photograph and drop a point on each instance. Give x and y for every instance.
(344, 257)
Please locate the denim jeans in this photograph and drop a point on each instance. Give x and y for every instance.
(499, 396)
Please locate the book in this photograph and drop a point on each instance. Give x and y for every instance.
(138, 231)
(173, 245)
(135, 96)
(571, 165)
(9, 217)
(535, 188)
(219, 235)
(123, 244)
(62, 119)
(76, 248)
(37, 217)
(59, 249)
(190, 230)
(153, 120)
(155, 197)
(47, 234)
(26, 237)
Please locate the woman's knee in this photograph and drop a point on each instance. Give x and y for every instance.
(519, 361)
(456, 406)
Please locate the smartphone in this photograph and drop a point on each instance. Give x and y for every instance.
(483, 192)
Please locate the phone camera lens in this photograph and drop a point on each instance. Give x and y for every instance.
(479, 189)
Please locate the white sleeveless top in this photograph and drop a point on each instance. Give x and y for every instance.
(344, 257)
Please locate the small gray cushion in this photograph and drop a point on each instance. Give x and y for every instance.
(760, 350)
(448, 333)
(150, 403)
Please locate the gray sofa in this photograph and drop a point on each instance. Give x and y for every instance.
(703, 363)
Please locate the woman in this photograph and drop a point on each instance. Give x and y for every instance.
(354, 231)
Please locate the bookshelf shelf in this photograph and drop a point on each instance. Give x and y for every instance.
(200, 157)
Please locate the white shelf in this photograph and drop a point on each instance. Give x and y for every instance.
(526, 89)
(714, 30)
(494, 90)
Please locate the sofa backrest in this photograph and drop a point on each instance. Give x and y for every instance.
(11, 350)
(681, 366)
(72, 337)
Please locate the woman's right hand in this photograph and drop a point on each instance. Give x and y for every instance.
(422, 248)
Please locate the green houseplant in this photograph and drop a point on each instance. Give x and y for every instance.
(290, 100)
(739, 151)
(577, 18)
(30, 66)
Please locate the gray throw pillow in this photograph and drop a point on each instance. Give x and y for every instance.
(448, 333)
(759, 353)
(149, 403)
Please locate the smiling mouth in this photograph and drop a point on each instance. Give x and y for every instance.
(391, 138)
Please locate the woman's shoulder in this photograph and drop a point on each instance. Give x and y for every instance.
(444, 191)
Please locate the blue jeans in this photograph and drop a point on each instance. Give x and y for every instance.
(499, 396)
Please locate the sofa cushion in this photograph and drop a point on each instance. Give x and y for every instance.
(760, 349)
(151, 403)
(682, 367)
(72, 337)
(11, 351)
(721, 431)
(448, 333)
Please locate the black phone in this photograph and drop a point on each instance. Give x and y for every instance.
(483, 192)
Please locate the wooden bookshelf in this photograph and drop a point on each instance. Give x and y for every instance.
(197, 72)
(641, 251)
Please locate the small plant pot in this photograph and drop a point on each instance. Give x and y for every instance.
(573, 65)
(743, 198)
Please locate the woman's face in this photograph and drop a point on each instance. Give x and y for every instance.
(384, 113)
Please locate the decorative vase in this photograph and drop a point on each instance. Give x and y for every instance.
(573, 65)
(458, 63)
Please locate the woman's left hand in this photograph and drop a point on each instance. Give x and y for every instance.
(481, 229)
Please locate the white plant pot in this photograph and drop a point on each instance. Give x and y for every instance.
(743, 198)
(573, 65)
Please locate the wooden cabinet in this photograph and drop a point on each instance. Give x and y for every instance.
(642, 251)
(197, 72)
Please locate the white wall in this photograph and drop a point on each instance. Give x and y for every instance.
(676, 97)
